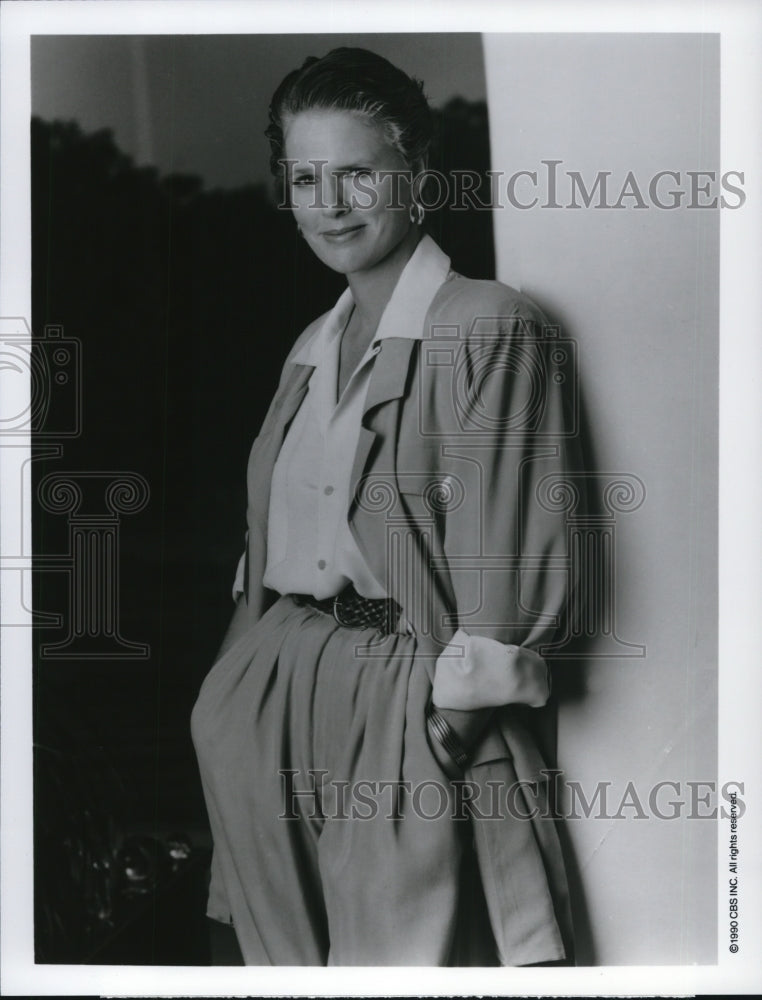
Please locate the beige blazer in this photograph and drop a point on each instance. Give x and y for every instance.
(464, 448)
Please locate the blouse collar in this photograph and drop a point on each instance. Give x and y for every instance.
(405, 311)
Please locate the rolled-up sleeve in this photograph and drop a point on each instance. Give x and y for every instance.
(475, 672)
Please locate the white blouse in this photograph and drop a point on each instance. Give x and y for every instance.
(310, 548)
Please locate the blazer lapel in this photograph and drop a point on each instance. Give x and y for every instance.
(283, 409)
(287, 401)
(387, 382)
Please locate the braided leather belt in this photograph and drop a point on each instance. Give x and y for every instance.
(351, 610)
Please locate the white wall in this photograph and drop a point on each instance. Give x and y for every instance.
(638, 290)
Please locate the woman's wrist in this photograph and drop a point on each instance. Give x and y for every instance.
(441, 732)
(456, 732)
(467, 724)
(445, 761)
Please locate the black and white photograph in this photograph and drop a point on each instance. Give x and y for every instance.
(380, 476)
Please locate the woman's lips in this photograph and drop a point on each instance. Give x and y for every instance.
(341, 235)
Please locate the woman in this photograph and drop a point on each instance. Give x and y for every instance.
(399, 577)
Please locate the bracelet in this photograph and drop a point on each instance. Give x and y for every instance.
(446, 736)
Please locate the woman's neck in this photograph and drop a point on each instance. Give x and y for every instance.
(371, 290)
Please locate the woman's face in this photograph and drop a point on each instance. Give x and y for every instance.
(350, 188)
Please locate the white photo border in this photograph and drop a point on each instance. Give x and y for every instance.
(740, 751)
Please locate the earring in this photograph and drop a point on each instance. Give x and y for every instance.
(416, 213)
(299, 230)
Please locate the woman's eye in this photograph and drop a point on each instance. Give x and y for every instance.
(303, 181)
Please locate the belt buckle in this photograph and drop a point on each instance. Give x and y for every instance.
(337, 617)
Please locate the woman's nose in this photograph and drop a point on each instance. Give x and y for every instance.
(335, 198)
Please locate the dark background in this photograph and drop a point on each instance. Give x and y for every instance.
(185, 300)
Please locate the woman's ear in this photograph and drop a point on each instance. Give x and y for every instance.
(420, 166)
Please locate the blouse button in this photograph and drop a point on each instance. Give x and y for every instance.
(328, 490)
(321, 563)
